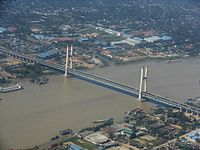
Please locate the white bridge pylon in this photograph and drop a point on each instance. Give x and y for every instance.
(71, 57)
(143, 81)
(67, 60)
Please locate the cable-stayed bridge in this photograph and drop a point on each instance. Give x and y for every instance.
(98, 80)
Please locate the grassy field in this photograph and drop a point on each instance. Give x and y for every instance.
(92, 30)
(110, 38)
(102, 35)
(83, 143)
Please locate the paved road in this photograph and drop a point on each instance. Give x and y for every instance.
(174, 140)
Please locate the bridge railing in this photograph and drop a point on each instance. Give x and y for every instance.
(17, 54)
(107, 80)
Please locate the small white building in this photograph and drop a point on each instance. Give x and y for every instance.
(96, 138)
(132, 42)
(152, 39)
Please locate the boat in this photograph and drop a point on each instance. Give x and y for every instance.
(40, 80)
(11, 88)
(103, 120)
(66, 131)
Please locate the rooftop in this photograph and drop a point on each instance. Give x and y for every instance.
(96, 138)
(194, 135)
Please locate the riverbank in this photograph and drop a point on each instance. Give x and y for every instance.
(138, 130)
(41, 111)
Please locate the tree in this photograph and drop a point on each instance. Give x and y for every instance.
(159, 111)
(133, 135)
(198, 140)
(162, 118)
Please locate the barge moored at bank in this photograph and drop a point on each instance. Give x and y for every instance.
(11, 88)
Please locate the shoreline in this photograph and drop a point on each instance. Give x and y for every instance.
(66, 96)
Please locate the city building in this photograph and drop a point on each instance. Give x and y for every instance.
(152, 39)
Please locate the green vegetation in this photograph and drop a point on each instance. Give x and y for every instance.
(98, 127)
(92, 30)
(198, 140)
(83, 143)
(120, 53)
(105, 60)
(80, 67)
(2, 56)
(119, 62)
(159, 111)
(25, 70)
(179, 115)
(111, 38)
(3, 81)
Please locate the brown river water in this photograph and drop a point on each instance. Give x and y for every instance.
(32, 116)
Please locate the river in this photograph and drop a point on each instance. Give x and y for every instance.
(32, 116)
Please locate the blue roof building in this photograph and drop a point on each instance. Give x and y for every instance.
(75, 147)
(2, 30)
(48, 54)
(98, 42)
(166, 38)
(83, 40)
(137, 38)
(127, 35)
(194, 135)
